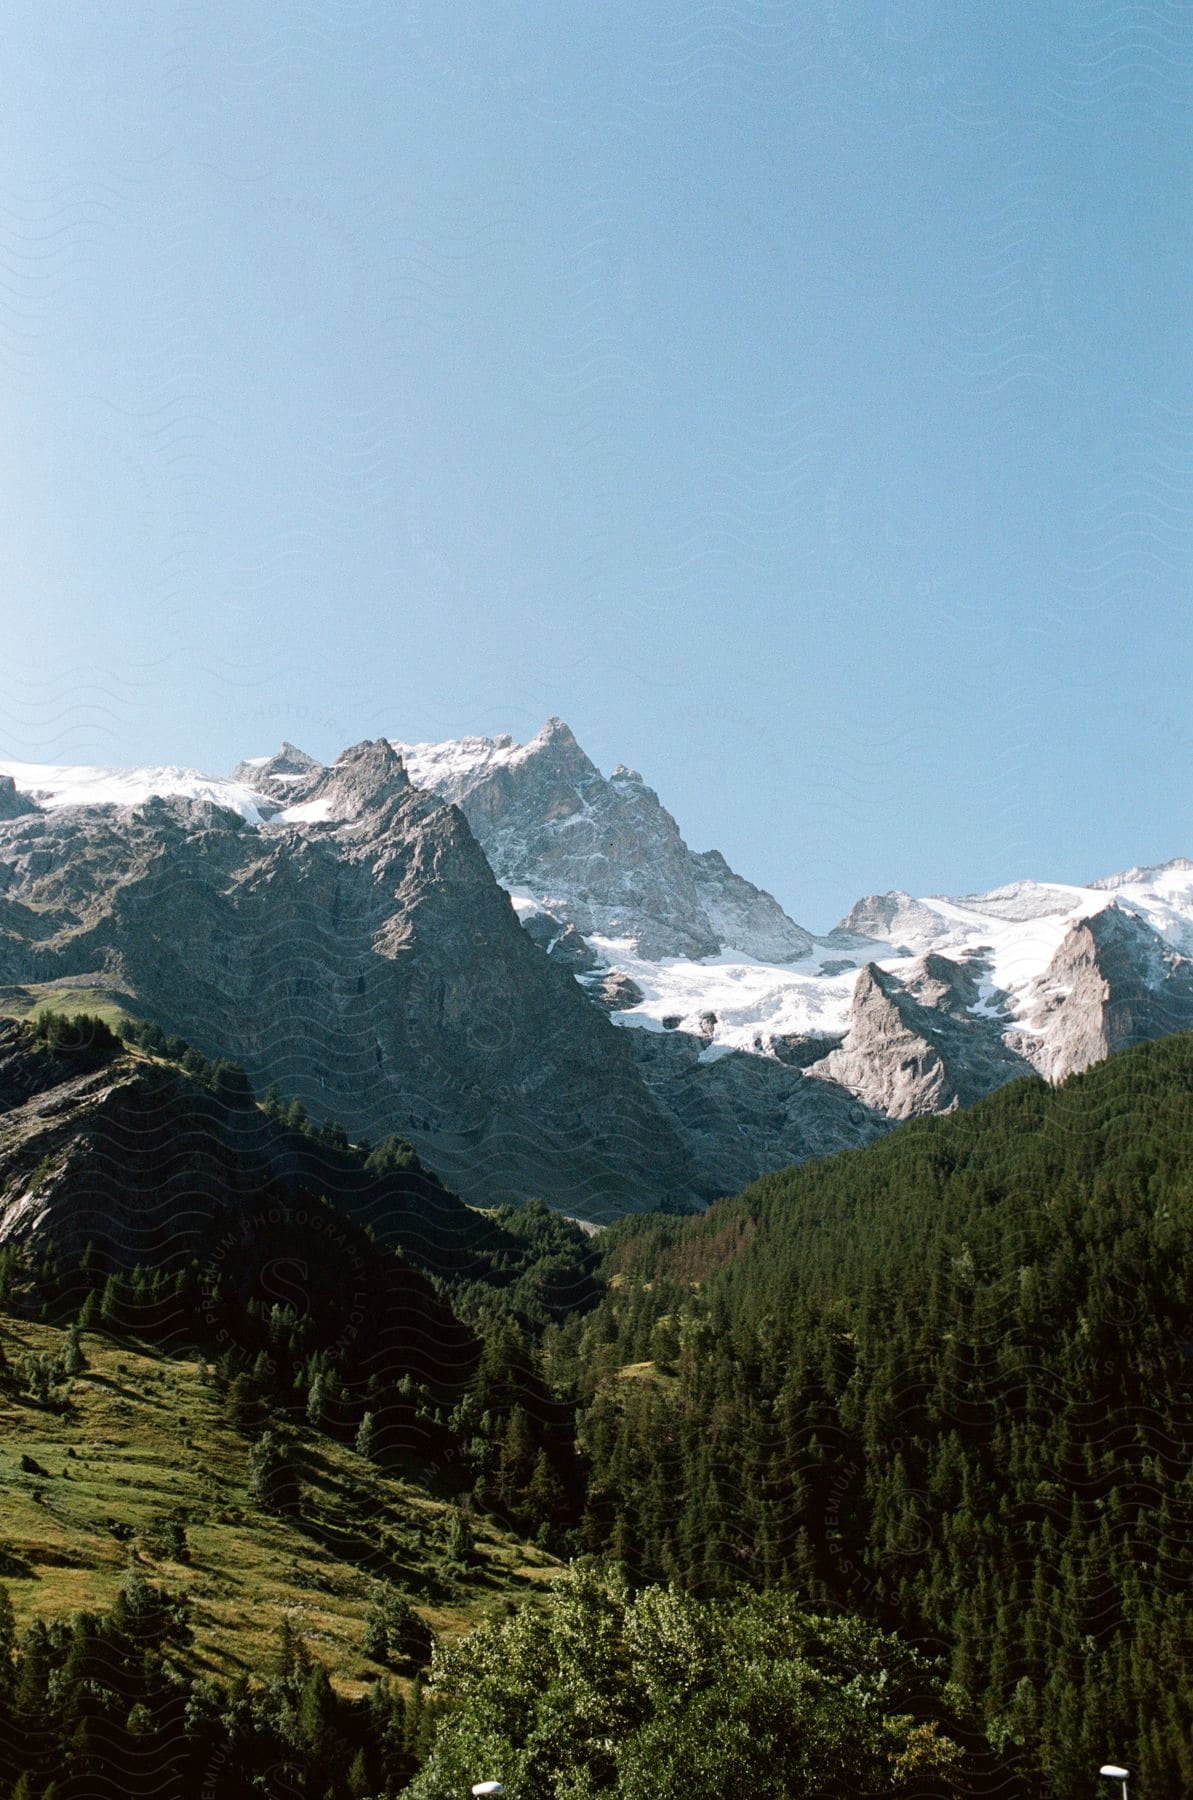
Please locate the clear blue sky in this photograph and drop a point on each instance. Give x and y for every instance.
(793, 397)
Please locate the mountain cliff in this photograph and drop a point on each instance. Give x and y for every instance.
(601, 853)
(361, 956)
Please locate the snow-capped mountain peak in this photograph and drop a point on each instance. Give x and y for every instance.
(603, 854)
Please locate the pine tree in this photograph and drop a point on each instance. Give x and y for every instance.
(272, 1477)
(8, 1627)
(111, 1306)
(516, 1459)
(316, 1710)
(317, 1396)
(543, 1500)
(294, 1661)
(73, 1360)
(366, 1436)
(459, 1534)
(243, 1404)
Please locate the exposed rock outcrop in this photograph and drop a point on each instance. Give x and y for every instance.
(617, 991)
(740, 1115)
(279, 773)
(604, 854)
(912, 1047)
(13, 804)
(1111, 983)
(894, 918)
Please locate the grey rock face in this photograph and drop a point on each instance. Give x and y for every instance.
(894, 918)
(562, 942)
(1111, 983)
(570, 949)
(911, 1046)
(370, 965)
(800, 1051)
(13, 804)
(278, 774)
(617, 991)
(744, 916)
(359, 784)
(356, 950)
(741, 1115)
(604, 854)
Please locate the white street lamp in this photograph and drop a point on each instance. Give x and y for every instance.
(487, 1787)
(1113, 1772)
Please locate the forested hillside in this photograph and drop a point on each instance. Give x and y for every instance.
(877, 1477)
(947, 1383)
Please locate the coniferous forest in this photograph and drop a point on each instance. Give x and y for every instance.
(877, 1478)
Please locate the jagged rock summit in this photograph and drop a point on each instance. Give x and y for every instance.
(366, 779)
(914, 1043)
(285, 767)
(600, 853)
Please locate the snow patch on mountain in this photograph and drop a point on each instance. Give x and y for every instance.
(307, 812)
(735, 1000)
(452, 768)
(56, 785)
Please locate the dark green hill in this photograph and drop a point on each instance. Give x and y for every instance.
(142, 1147)
(947, 1382)
(144, 1190)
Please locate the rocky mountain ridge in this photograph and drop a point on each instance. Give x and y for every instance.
(602, 853)
(657, 1026)
(106, 1143)
(367, 962)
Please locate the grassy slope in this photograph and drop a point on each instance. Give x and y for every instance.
(150, 1440)
(54, 996)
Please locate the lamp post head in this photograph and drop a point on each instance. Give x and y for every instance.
(487, 1787)
(1112, 1771)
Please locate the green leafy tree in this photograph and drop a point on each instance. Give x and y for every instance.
(661, 1696)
